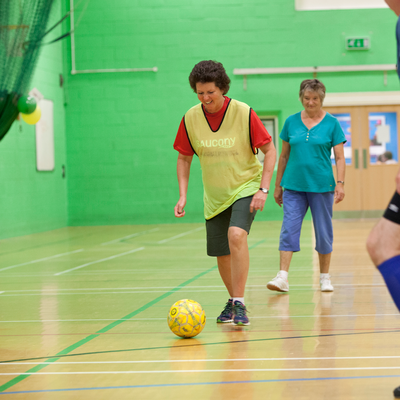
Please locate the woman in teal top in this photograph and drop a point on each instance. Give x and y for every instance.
(305, 172)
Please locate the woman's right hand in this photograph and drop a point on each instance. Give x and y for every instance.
(278, 193)
(179, 208)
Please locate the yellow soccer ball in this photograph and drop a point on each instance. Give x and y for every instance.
(186, 318)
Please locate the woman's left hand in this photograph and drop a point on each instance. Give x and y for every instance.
(339, 193)
(258, 201)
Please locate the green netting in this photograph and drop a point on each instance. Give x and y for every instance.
(22, 27)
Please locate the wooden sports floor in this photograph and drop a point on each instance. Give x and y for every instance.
(84, 316)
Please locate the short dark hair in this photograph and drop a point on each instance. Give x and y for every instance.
(210, 71)
(314, 85)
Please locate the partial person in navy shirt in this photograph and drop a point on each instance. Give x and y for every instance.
(383, 243)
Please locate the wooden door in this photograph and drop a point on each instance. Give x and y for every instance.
(372, 155)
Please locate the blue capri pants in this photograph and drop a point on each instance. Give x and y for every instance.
(295, 206)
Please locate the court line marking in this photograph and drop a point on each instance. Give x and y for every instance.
(108, 327)
(202, 384)
(163, 332)
(164, 287)
(162, 319)
(205, 360)
(199, 371)
(106, 272)
(180, 235)
(189, 289)
(41, 259)
(131, 236)
(175, 270)
(132, 288)
(99, 261)
(95, 262)
(330, 378)
(58, 356)
(128, 252)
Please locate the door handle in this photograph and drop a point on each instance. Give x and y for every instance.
(365, 158)
(356, 158)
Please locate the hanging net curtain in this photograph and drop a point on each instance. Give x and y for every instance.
(22, 27)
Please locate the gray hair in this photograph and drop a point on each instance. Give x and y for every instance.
(313, 85)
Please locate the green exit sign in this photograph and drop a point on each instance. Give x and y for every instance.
(358, 43)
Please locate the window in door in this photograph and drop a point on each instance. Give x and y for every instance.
(382, 138)
(345, 122)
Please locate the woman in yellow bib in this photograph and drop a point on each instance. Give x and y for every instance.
(225, 134)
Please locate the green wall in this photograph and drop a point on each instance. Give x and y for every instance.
(116, 130)
(121, 126)
(32, 201)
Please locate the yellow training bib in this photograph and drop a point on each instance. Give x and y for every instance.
(230, 169)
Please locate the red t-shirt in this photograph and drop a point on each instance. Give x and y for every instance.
(258, 132)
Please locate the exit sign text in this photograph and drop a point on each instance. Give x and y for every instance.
(358, 43)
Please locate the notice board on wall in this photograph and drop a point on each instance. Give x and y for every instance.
(45, 137)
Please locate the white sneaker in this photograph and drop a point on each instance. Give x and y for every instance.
(279, 284)
(326, 285)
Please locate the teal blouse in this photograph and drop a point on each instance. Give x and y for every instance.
(309, 168)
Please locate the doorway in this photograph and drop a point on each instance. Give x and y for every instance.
(372, 158)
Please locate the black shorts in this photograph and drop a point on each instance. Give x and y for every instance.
(238, 214)
(392, 213)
